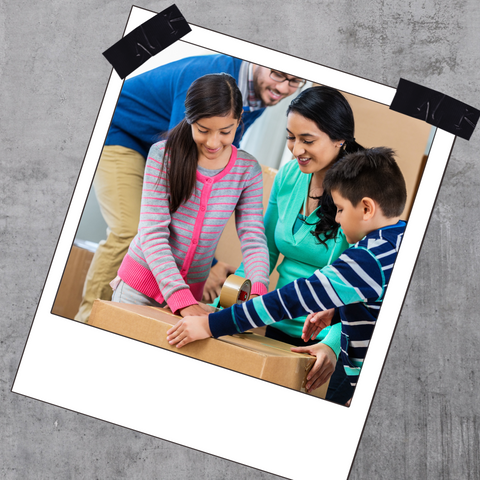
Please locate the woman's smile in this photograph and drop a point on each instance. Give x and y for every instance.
(314, 150)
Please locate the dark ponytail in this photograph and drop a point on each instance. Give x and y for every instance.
(213, 95)
(332, 114)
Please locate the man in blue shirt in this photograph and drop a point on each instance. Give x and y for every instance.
(149, 105)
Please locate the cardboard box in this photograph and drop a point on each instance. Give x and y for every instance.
(69, 295)
(246, 353)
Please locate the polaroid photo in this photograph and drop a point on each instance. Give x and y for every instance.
(197, 404)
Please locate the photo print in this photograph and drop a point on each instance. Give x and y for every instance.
(162, 392)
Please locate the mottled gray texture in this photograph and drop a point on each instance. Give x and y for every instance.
(425, 419)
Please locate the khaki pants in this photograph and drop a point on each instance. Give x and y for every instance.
(118, 187)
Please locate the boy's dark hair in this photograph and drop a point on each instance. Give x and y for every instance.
(372, 173)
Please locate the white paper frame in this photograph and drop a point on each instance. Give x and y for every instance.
(192, 403)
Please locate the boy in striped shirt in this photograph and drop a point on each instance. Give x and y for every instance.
(369, 192)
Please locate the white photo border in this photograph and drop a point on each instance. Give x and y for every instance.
(193, 403)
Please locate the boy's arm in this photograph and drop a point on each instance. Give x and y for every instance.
(355, 276)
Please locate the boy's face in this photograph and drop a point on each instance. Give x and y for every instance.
(349, 217)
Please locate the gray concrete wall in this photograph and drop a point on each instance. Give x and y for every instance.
(425, 419)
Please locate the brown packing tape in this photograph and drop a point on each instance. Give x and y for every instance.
(235, 290)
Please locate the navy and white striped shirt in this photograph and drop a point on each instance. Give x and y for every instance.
(355, 284)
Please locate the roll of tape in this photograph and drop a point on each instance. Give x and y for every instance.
(235, 290)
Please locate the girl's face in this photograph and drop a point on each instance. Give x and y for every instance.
(314, 150)
(214, 137)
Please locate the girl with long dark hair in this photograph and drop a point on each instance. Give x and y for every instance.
(193, 182)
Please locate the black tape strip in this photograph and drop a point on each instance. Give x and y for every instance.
(150, 38)
(435, 108)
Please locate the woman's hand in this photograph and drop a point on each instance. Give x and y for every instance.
(188, 330)
(216, 278)
(315, 323)
(324, 364)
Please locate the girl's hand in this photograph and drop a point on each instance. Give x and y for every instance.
(315, 323)
(194, 310)
(207, 308)
(188, 330)
(324, 364)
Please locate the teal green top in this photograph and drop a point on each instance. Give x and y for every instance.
(302, 252)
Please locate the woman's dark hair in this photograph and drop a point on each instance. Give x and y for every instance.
(213, 95)
(332, 114)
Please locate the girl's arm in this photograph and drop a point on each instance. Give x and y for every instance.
(270, 222)
(154, 233)
(251, 231)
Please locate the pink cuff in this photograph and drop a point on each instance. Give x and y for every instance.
(181, 299)
(259, 289)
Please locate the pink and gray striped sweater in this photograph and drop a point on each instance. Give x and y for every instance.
(171, 255)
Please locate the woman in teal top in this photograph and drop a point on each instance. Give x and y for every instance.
(300, 219)
(289, 232)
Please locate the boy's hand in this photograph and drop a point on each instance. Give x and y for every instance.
(324, 365)
(315, 323)
(188, 330)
